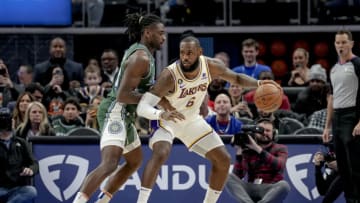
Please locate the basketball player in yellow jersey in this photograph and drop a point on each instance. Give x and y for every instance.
(184, 83)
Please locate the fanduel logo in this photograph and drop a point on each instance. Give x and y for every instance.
(297, 176)
(169, 178)
(49, 177)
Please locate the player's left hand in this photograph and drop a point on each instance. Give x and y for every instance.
(165, 104)
(172, 116)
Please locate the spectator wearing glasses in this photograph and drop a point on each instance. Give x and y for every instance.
(314, 97)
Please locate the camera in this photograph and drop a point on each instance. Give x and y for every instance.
(242, 138)
(5, 119)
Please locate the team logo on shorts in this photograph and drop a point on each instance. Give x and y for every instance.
(115, 127)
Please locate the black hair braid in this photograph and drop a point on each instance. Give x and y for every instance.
(136, 24)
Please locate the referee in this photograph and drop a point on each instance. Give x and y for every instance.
(343, 115)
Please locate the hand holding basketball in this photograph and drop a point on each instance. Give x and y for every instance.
(268, 96)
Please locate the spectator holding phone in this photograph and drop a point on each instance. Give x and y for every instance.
(7, 91)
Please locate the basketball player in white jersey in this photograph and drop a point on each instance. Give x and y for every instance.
(184, 83)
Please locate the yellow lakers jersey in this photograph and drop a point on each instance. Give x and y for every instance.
(189, 93)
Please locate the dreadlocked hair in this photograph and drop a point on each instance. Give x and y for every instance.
(136, 24)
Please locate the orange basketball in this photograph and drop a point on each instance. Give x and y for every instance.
(268, 98)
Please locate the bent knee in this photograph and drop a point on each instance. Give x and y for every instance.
(30, 191)
(135, 164)
(108, 167)
(283, 185)
(161, 152)
(161, 155)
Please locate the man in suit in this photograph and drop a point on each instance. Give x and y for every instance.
(57, 52)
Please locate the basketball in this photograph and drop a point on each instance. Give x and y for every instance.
(268, 98)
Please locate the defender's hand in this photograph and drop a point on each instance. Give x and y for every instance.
(172, 116)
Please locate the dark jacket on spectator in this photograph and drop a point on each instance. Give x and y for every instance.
(13, 161)
(9, 94)
(330, 187)
(308, 101)
(24, 133)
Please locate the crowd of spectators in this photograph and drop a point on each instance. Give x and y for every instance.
(69, 94)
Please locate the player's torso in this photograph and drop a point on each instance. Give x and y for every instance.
(189, 93)
(145, 83)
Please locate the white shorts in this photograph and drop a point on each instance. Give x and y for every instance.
(198, 136)
(117, 131)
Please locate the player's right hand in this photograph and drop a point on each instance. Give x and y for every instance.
(172, 116)
(263, 82)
